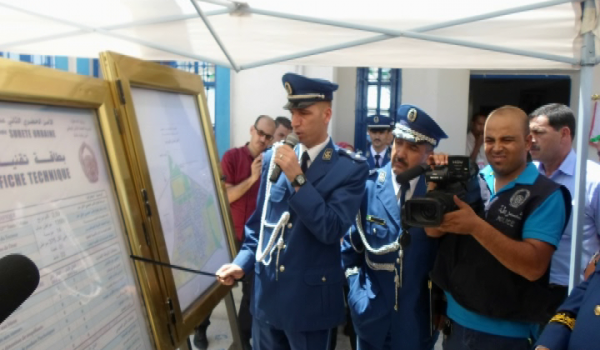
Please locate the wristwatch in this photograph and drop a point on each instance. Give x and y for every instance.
(299, 181)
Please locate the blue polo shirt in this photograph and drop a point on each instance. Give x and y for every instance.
(544, 224)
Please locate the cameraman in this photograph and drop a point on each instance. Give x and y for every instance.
(495, 271)
(388, 274)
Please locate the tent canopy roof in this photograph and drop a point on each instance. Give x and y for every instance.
(385, 33)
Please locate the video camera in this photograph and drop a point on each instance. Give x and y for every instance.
(458, 178)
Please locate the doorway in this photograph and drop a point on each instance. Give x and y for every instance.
(528, 92)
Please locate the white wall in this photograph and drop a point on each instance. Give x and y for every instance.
(344, 105)
(444, 95)
(260, 91)
(255, 92)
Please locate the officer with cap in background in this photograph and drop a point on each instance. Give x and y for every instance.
(379, 128)
(293, 238)
(387, 266)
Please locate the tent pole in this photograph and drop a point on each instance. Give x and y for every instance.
(382, 37)
(490, 15)
(119, 36)
(215, 35)
(316, 51)
(418, 36)
(145, 22)
(229, 4)
(583, 127)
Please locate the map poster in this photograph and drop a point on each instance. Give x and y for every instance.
(59, 208)
(184, 188)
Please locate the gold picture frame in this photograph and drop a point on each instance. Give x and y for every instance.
(84, 104)
(130, 79)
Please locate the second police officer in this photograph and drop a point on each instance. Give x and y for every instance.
(389, 290)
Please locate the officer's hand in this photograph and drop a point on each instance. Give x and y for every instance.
(229, 273)
(464, 220)
(256, 168)
(287, 160)
(541, 348)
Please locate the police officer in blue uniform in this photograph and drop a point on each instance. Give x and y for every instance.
(379, 152)
(293, 238)
(576, 324)
(387, 267)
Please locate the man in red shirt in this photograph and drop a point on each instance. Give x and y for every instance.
(242, 167)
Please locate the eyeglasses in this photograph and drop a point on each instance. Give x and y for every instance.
(261, 133)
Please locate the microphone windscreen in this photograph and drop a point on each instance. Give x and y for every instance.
(411, 173)
(291, 140)
(19, 277)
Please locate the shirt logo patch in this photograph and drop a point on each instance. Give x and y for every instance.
(519, 197)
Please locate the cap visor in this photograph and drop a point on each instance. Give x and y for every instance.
(298, 104)
(379, 127)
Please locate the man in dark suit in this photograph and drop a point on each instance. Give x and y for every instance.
(293, 238)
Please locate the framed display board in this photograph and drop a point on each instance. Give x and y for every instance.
(170, 145)
(61, 182)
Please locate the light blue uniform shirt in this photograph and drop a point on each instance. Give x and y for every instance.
(540, 225)
(565, 175)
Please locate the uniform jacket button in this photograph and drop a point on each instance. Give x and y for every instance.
(281, 268)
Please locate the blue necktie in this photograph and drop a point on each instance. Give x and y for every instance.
(377, 165)
(304, 163)
(403, 189)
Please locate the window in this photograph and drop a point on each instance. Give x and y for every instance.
(208, 73)
(91, 67)
(43, 60)
(377, 92)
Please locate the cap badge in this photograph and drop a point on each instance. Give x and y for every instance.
(376, 119)
(288, 87)
(412, 115)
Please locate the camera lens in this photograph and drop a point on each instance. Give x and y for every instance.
(428, 211)
(422, 212)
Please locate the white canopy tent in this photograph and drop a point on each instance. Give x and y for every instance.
(467, 34)
(511, 34)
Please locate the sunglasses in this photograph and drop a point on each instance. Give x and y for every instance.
(261, 133)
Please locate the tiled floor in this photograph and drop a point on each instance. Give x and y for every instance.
(219, 333)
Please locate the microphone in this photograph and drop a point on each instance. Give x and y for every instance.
(291, 140)
(411, 173)
(19, 277)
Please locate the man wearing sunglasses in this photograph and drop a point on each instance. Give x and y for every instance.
(242, 167)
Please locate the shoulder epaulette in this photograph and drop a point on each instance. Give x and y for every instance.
(354, 156)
